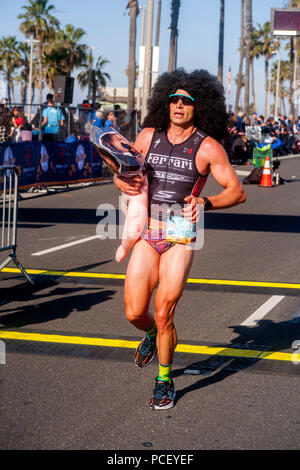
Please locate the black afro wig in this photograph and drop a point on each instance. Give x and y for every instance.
(210, 113)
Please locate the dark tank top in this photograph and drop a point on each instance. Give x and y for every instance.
(172, 171)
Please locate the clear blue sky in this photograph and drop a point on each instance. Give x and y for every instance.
(106, 23)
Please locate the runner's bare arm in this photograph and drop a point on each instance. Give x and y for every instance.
(217, 161)
(212, 157)
(132, 186)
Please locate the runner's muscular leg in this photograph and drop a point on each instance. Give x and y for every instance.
(141, 278)
(175, 265)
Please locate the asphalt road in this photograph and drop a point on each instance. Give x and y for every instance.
(67, 383)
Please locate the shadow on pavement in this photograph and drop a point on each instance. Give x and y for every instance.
(266, 336)
(40, 307)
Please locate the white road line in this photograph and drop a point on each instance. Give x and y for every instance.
(263, 310)
(66, 245)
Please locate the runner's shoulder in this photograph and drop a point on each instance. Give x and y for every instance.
(211, 149)
(144, 139)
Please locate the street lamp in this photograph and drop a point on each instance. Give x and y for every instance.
(32, 41)
(268, 90)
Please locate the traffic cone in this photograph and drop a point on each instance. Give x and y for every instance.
(266, 179)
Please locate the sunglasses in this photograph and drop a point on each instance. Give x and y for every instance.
(186, 100)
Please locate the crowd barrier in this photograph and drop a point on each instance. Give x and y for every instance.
(9, 217)
(44, 163)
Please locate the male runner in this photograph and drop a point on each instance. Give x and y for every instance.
(179, 140)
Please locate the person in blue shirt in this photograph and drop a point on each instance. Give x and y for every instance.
(52, 119)
(98, 118)
(71, 138)
(110, 120)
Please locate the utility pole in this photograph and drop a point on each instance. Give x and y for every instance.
(155, 50)
(221, 42)
(90, 67)
(148, 59)
(141, 62)
(277, 85)
(32, 41)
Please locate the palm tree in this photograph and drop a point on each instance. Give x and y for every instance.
(221, 42)
(248, 35)
(266, 47)
(24, 50)
(93, 75)
(240, 73)
(39, 23)
(72, 53)
(10, 60)
(175, 5)
(52, 66)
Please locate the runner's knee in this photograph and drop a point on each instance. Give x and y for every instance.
(164, 313)
(132, 314)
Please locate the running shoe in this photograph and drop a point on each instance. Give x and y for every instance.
(145, 352)
(164, 395)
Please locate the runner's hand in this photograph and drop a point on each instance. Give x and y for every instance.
(191, 211)
(130, 186)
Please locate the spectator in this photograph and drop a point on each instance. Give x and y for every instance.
(84, 119)
(36, 122)
(71, 138)
(240, 148)
(5, 105)
(17, 122)
(240, 123)
(110, 120)
(253, 121)
(52, 119)
(4, 125)
(117, 110)
(123, 123)
(290, 125)
(282, 120)
(297, 125)
(98, 117)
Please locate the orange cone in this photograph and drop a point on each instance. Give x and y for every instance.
(266, 179)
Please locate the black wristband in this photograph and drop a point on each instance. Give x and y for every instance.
(207, 204)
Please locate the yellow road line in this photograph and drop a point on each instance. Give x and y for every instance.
(118, 343)
(47, 272)
(224, 282)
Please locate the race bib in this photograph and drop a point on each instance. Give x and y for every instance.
(180, 230)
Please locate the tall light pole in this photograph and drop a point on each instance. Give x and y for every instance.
(90, 65)
(295, 79)
(277, 85)
(32, 41)
(268, 91)
(148, 58)
(141, 61)
(221, 42)
(257, 89)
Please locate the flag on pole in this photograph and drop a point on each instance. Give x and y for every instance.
(229, 75)
(228, 81)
